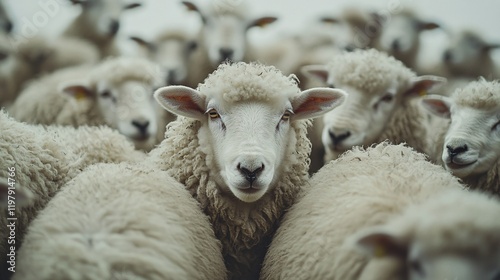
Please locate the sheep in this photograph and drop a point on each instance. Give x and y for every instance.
(121, 221)
(41, 159)
(400, 36)
(468, 145)
(99, 23)
(239, 145)
(117, 93)
(396, 207)
(26, 59)
(171, 49)
(6, 25)
(381, 104)
(222, 37)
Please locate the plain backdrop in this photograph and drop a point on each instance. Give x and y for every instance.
(156, 15)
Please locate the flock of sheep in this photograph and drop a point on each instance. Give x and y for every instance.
(315, 157)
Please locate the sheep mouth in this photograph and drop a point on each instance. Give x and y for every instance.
(141, 137)
(454, 164)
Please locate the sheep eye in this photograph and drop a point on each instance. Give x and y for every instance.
(387, 98)
(212, 114)
(331, 85)
(106, 94)
(496, 126)
(416, 267)
(132, 6)
(286, 116)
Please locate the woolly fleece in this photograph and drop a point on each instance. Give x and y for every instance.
(121, 221)
(362, 188)
(244, 229)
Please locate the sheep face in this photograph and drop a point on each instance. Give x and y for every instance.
(247, 141)
(472, 143)
(400, 35)
(103, 16)
(467, 54)
(439, 241)
(128, 107)
(224, 33)
(171, 54)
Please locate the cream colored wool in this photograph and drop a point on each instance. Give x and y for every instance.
(121, 221)
(45, 158)
(244, 229)
(362, 188)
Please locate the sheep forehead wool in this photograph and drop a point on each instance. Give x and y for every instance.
(442, 227)
(479, 94)
(370, 71)
(249, 81)
(177, 35)
(118, 70)
(223, 7)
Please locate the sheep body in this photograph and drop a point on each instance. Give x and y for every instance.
(362, 188)
(121, 221)
(45, 158)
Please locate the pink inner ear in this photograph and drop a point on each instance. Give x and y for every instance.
(311, 104)
(438, 105)
(185, 103)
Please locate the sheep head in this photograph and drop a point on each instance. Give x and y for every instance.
(247, 118)
(472, 143)
(224, 32)
(377, 85)
(103, 16)
(436, 240)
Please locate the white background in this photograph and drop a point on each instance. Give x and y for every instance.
(155, 15)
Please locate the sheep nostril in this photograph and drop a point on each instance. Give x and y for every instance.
(338, 138)
(447, 56)
(8, 27)
(142, 126)
(250, 175)
(396, 46)
(226, 54)
(454, 151)
(114, 27)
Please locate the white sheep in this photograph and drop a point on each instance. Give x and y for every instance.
(24, 59)
(468, 56)
(171, 49)
(411, 216)
(6, 25)
(240, 147)
(469, 146)
(121, 221)
(381, 105)
(117, 92)
(400, 36)
(99, 23)
(222, 37)
(41, 159)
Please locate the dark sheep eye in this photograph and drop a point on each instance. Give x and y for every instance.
(387, 98)
(106, 94)
(496, 126)
(331, 85)
(132, 6)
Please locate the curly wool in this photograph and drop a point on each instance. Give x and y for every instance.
(219, 8)
(120, 69)
(243, 81)
(480, 94)
(370, 71)
(361, 188)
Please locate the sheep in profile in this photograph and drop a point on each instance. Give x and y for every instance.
(45, 158)
(121, 221)
(222, 37)
(469, 56)
(26, 59)
(240, 147)
(400, 36)
(118, 92)
(99, 23)
(410, 216)
(171, 50)
(5, 21)
(381, 104)
(470, 146)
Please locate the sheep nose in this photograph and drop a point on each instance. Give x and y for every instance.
(339, 136)
(171, 77)
(447, 56)
(114, 27)
(396, 46)
(8, 27)
(454, 151)
(226, 54)
(250, 175)
(142, 126)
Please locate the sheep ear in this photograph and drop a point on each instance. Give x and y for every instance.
(143, 43)
(378, 243)
(132, 6)
(437, 105)
(193, 8)
(316, 72)
(78, 1)
(490, 47)
(79, 92)
(330, 20)
(262, 22)
(428, 25)
(23, 196)
(315, 102)
(419, 86)
(181, 100)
